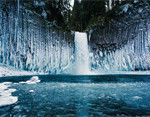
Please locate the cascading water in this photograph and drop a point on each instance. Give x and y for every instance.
(82, 65)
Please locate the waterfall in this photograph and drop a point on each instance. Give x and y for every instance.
(82, 65)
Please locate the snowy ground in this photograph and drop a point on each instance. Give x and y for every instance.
(11, 71)
(125, 72)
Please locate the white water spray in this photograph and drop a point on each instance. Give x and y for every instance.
(81, 54)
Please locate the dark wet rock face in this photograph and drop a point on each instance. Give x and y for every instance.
(124, 42)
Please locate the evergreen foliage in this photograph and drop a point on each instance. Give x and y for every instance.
(85, 12)
(85, 15)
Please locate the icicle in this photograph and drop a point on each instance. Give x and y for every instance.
(18, 1)
(1, 33)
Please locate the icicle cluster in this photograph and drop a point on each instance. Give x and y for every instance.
(29, 42)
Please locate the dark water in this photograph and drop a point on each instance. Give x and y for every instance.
(81, 98)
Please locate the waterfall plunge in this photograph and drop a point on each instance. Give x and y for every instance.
(82, 64)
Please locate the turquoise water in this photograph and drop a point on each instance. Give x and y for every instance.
(80, 96)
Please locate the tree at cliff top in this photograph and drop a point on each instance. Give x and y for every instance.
(85, 12)
(75, 18)
(91, 11)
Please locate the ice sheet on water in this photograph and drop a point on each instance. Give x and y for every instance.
(7, 92)
(7, 100)
(6, 97)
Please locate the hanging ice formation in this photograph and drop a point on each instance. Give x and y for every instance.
(31, 43)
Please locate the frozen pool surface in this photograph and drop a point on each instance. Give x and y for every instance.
(79, 99)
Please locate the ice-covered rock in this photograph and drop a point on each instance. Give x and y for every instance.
(33, 80)
(31, 91)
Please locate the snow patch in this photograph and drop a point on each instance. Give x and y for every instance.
(44, 14)
(126, 7)
(39, 3)
(140, 10)
(136, 1)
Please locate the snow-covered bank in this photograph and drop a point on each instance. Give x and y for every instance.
(124, 73)
(11, 71)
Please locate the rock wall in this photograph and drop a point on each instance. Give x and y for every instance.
(124, 43)
(29, 42)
